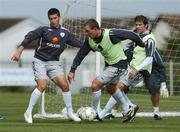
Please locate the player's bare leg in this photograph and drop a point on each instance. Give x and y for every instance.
(155, 103)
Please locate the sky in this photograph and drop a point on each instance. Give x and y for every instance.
(37, 9)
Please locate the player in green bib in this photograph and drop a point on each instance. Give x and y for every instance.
(141, 59)
(108, 43)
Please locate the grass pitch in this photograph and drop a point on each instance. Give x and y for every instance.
(13, 105)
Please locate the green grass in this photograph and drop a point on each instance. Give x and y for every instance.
(13, 106)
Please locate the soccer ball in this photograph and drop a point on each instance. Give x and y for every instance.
(80, 110)
(86, 113)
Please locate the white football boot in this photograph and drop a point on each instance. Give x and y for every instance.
(28, 117)
(73, 117)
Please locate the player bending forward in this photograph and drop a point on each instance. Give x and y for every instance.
(108, 43)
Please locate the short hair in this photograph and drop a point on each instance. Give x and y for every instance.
(92, 23)
(53, 11)
(141, 18)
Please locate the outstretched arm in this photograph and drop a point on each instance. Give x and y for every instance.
(128, 50)
(117, 35)
(74, 41)
(32, 35)
(84, 50)
(29, 37)
(16, 56)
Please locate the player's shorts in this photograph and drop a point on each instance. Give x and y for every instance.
(45, 69)
(131, 83)
(110, 74)
(153, 83)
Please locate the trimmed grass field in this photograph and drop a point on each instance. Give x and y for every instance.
(13, 105)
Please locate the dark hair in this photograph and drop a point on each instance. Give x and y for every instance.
(53, 11)
(142, 18)
(92, 23)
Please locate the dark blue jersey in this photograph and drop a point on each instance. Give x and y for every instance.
(52, 42)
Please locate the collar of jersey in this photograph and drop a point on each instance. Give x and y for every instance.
(55, 27)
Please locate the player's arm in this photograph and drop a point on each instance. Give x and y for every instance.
(74, 41)
(158, 62)
(84, 50)
(32, 35)
(150, 46)
(117, 35)
(16, 56)
(128, 50)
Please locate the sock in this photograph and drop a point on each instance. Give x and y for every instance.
(99, 107)
(96, 100)
(156, 110)
(113, 112)
(107, 108)
(127, 99)
(68, 101)
(118, 96)
(33, 100)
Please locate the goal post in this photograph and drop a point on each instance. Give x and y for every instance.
(167, 32)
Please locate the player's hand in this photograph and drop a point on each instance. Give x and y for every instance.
(71, 77)
(16, 56)
(132, 73)
(163, 90)
(145, 43)
(18, 53)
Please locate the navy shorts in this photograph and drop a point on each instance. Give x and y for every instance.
(152, 82)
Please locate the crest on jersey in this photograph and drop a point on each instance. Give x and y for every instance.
(49, 29)
(62, 34)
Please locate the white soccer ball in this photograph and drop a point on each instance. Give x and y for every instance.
(80, 110)
(86, 113)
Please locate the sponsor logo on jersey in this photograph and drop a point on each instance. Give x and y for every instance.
(53, 45)
(49, 29)
(55, 40)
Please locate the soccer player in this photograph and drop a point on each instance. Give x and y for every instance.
(152, 75)
(53, 41)
(108, 43)
(158, 68)
(157, 82)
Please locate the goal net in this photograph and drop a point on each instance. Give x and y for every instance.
(167, 31)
